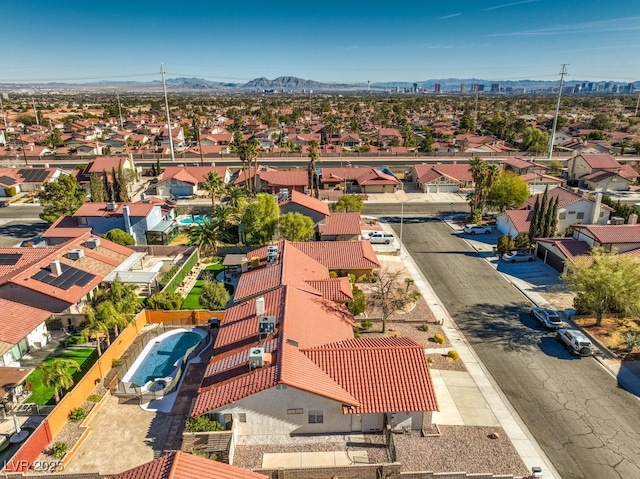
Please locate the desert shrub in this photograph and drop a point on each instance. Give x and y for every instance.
(366, 324)
(77, 414)
(424, 327)
(453, 355)
(356, 333)
(115, 363)
(94, 398)
(438, 338)
(333, 274)
(352, 278)
(59, 449)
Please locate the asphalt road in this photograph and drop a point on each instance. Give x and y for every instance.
(588, 427)
(20, 222)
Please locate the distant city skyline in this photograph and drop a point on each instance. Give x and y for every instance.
(73, 41)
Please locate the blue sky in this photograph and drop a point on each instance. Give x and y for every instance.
(55, 40)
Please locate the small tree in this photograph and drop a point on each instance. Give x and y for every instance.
(505, 244)
(348, 202)
(295, 226)
(202, 424)
(358, 304)
(260, 219)
(214, 295)
(522, 241)
(509, 191)
(120, 236)
(58, 374)
(97, 189)
(388, 295)
(60, 197)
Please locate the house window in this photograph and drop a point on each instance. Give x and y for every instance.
(294, 411)
(580, 215)
(316, 417)
(562, 215)
(572, 213)
(242, 417)
(607, 248)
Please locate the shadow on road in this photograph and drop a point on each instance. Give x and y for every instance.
(550, 346)
(20, 230)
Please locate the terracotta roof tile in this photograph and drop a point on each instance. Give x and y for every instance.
(284, 178)
(18, 320)
(341, 224)
(600, 161)
(612, 234)
(521, 219)
(376, 177)
(308, 202)
(181, 465)
(334, 289)
(100, 210)
(384, 374)
(569, 246)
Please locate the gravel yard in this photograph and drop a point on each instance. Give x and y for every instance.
(441, 361)
(410, 330)
(250, 457)
(459, 449)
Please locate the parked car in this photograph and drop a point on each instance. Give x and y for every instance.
(518, 257)
(473, 229)
(576, 342)
(548, 318)
(378, 237)
(4, 204)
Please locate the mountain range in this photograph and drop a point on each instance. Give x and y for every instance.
(294, 84)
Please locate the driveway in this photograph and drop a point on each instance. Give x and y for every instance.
(586, 424)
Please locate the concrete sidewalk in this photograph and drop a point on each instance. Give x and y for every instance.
(416, 196)
(491, 395)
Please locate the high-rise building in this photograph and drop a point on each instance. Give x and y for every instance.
(415, 88)
(495, 87)
(436, 88)
(462, 88)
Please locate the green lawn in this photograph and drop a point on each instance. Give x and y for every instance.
(42, 394)
(192, 301)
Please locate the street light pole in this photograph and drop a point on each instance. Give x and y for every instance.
(402, 218)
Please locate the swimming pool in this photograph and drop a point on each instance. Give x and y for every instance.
(162, 356)
(195, 219)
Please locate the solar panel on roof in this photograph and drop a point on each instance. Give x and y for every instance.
(33, 175)
(9, 259)
(70, 276)
(7, 180)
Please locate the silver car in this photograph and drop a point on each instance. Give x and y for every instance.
(548, 318)
(477, 229)
(518, 257)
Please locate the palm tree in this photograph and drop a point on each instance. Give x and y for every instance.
(95, 327)
(215, 186)
(208, 235)
(484, 176)
(247, 151)
(234, 193)
(58, 374)
(313, 177)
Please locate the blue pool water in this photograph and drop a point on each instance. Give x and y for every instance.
(160, 362)
(196, 219)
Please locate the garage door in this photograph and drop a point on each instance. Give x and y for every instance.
(549, 257)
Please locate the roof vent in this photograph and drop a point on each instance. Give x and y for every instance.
(283, 194)
(260, 306)
(75, 254)
(56, 268)
(267, 325)
(111, 206)
(256, 358)
(92, 243)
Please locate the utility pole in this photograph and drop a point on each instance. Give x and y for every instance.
(120, 111)
(197, 119)
(35, 112)
(166, 104)
(4, 118)
(636, 113)
(555, 117)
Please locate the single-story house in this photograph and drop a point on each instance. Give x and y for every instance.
(340, 227)
(296, 202)
(185, 181)
(23, 329)
(441, 178)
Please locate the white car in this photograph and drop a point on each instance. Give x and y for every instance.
(548, 318)
(473, 229)
(518, 257)
(576, 342)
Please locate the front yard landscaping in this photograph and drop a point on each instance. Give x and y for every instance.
(41, 394)
(612, 333)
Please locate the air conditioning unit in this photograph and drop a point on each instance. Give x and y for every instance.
(111, 206)
(272, 254)
(267, 325)
(92, 243)
(75, 254)
(256, 358)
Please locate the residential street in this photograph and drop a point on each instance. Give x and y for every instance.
(587, 426)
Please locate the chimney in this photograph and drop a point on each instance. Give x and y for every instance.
(595, 215)
(56, 268)
(633, 219)
(127, 218)
(260, 306)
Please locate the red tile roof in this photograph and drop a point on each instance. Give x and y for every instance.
(191, 174)
(376, 177)
(428, 173)
(65, 227)
(612, 234)
(384, 374)
(334, 289)
(18, 320)
(521, 219)
(306, 201)
(181, 465)
(522, 164)
(600, 161)
(106, 163)
(341, 224)
(565, 197)
(100, 210)
(345, 173)
(569, 246)
(284, 178)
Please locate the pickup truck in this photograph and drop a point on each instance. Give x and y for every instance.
(378, 237)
